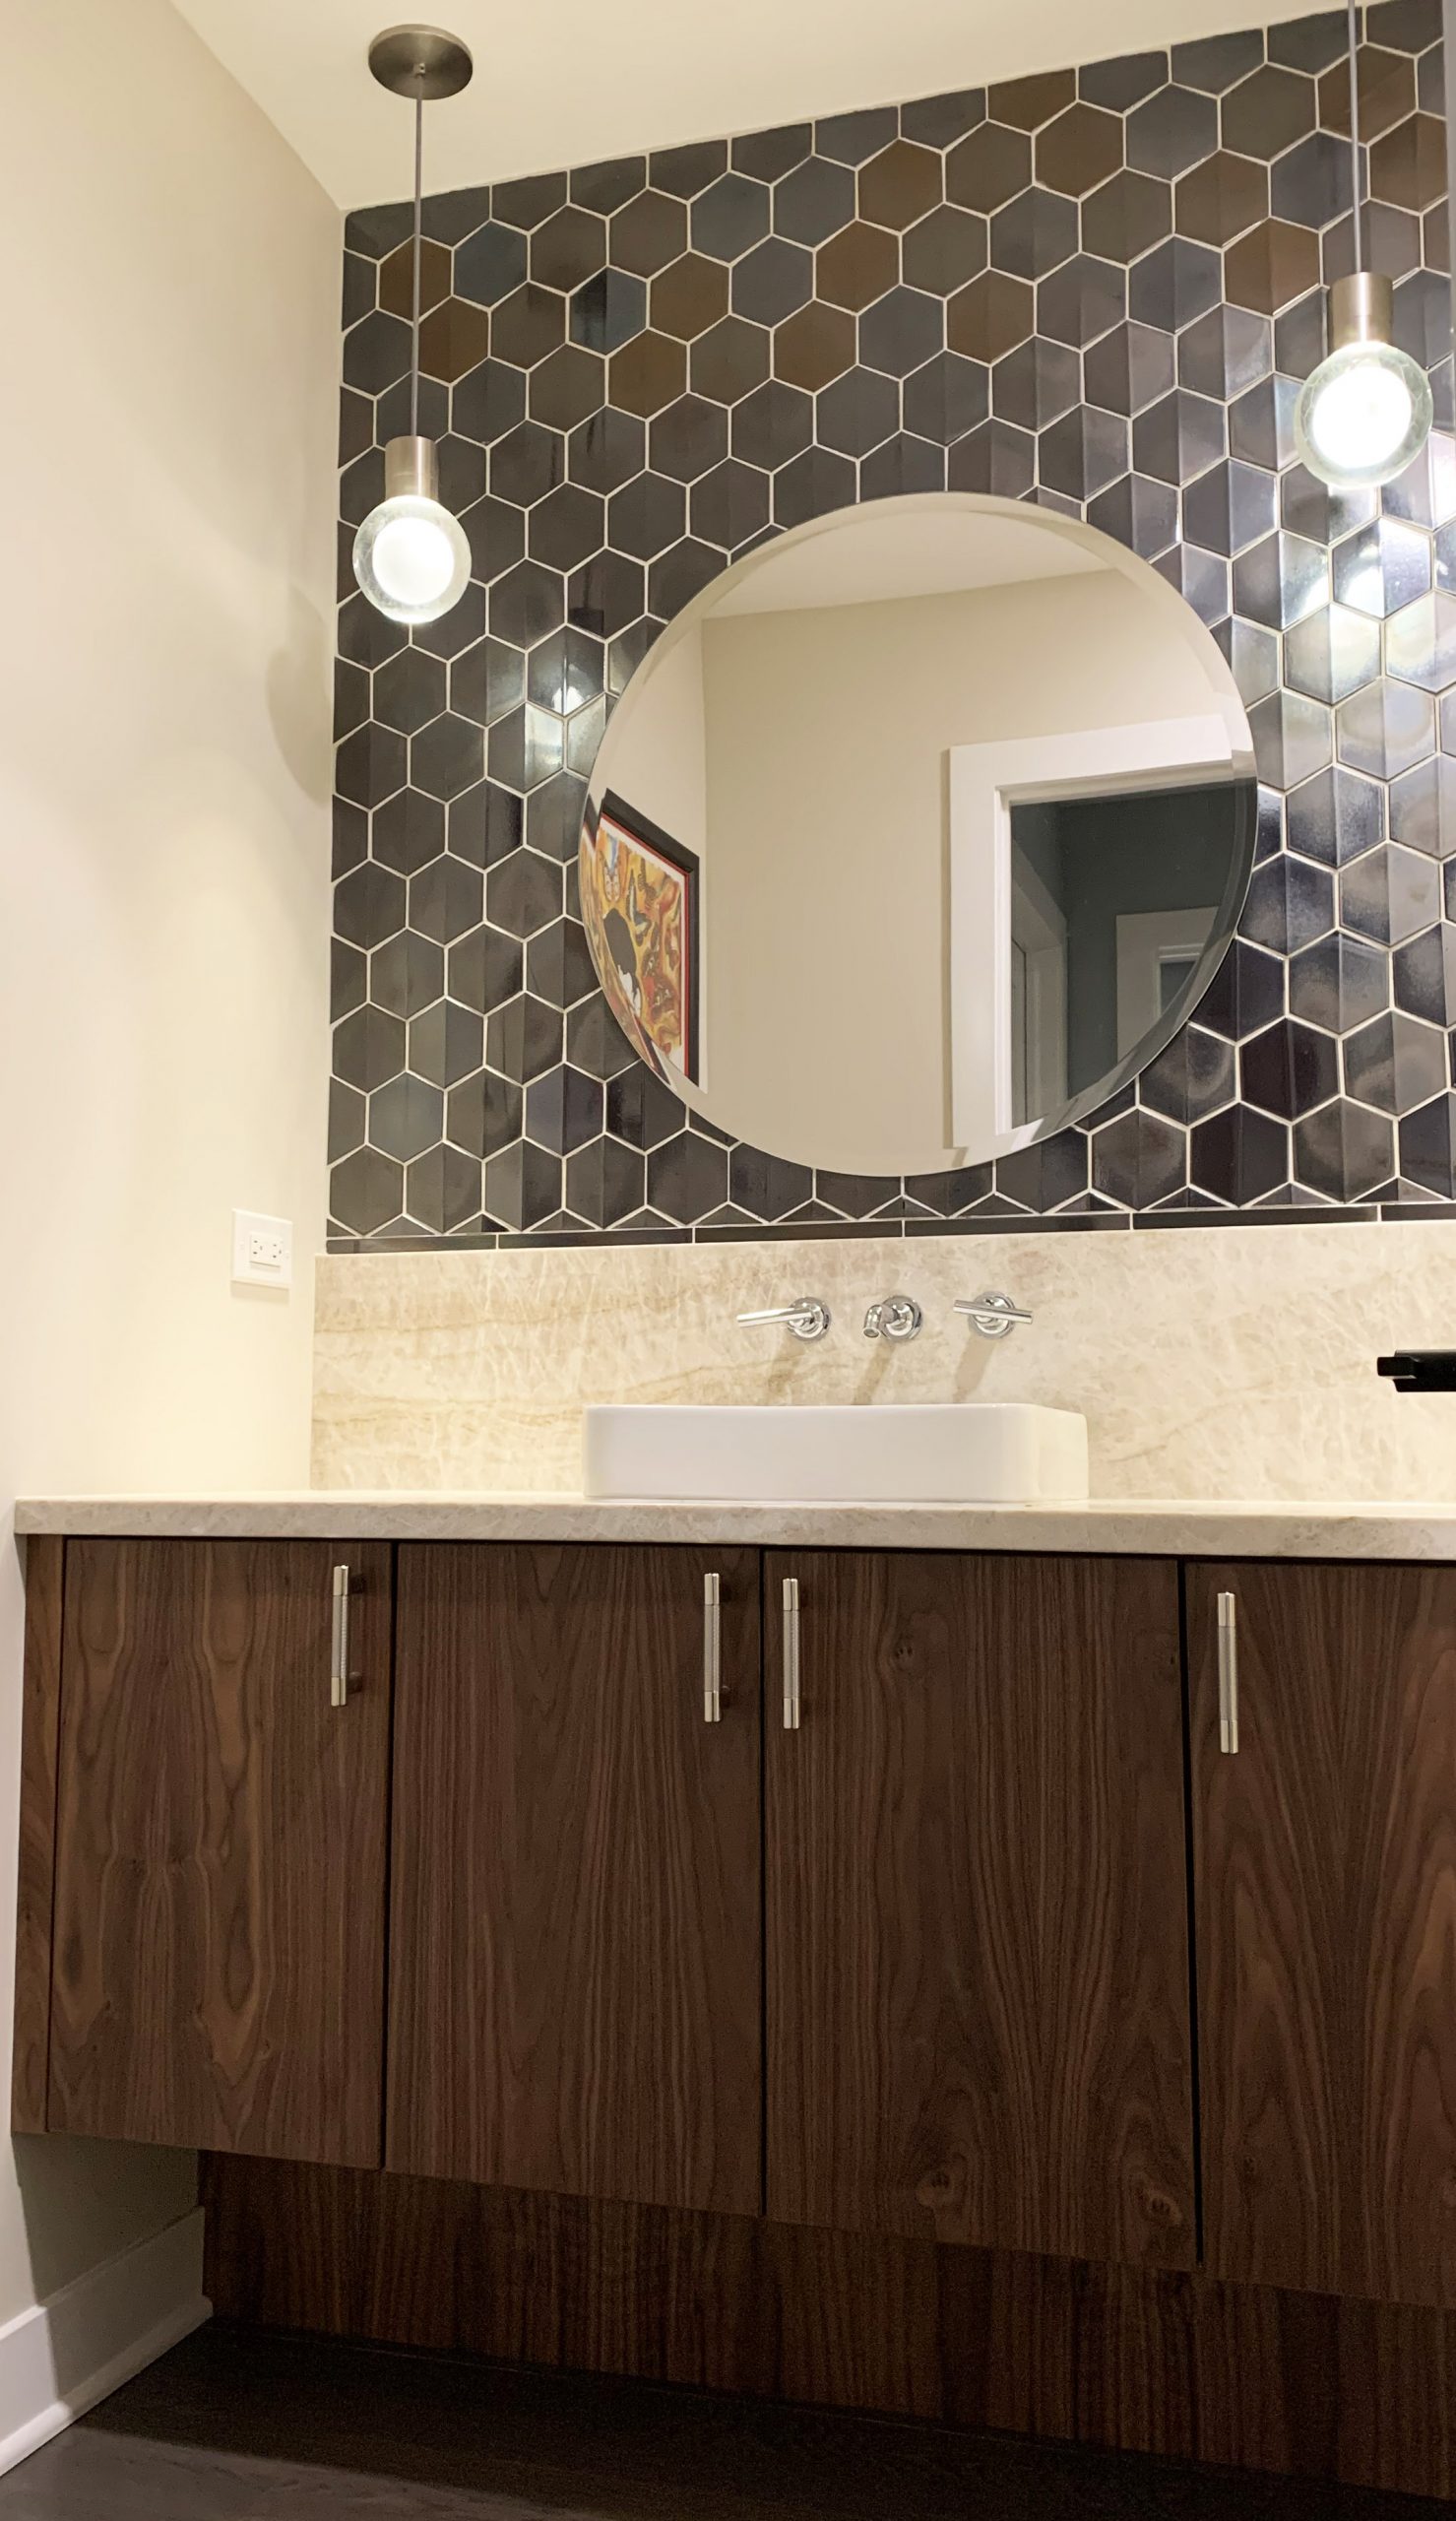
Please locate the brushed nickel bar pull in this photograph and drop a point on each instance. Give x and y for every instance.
(338, 1659)
(711, 1650)
(1227, 1673)
(790, 1655)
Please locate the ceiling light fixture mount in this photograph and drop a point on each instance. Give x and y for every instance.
(410, 556)
(1365, 412)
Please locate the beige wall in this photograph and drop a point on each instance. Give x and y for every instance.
(827, 733)
(166, 443)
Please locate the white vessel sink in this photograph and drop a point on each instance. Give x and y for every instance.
(1002, 1453)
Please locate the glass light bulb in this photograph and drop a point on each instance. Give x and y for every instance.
(1362, 415)
(411, 558)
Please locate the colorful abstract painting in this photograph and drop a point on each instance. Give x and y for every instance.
(640, 907)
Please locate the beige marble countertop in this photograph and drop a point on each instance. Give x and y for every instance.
(1183, 1528)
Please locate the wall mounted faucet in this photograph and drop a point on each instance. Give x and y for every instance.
(809, 1317)
(994, 1315)
(892, 1317)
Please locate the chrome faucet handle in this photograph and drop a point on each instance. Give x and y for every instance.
(809, 1317)
(994, 1315)
(892, 1317)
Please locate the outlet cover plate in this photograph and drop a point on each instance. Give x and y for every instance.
(261, 1250)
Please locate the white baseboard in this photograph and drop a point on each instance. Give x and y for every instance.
(62, 2356)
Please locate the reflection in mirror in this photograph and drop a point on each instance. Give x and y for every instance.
(918, 833)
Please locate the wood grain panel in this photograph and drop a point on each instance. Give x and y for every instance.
(976, 1913)
(40, 1717)
(219, 1969)
(575, 1951)
(1326, 1915)
(1129, 2358)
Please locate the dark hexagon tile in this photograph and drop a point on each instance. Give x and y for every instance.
(567, 525)
(350, 833)
(1344, 1151)
(857, 412)
(731, 505)
(1293, 737)
(607, 450)
(1226, 351)
(608, 184)
(945, 250)
(1408, 164)
(1127, 216)
(679, 574)
(523, 1038)
(898, 185)
(647, 234)
(1033, 233)
(1281, 580)
(772, 281)
(365, 636)
(1253, 656)
(1028, 102)
(901, 331)
(1332, 653)
(526, 200)
(991, 315)
(904, 463)
(1230, 507)
(1044, 1176)
(1339, 983)
(771, 424)
(553, 816)
(606, 595)
(361, 486)
(814, 201)
(406, 973)
(997, 460)
(940, 120)
(606, 1183)
(729, 216)
(1179, 437)
(527, 325)
(446, 899)
(1240, 1155)
(484, 969)
(1300, 335)
(1124, 81)
(1311, 184)
(1336, 816)
(815, 345)
(568, 387)
(856, 266)
(646, 516)
(522, 1186)
(687, 1177)
(1037, 384)
(1386, 729)
(1390, 894)
(1309, 44)
(350, 697)
(1426, 493)
(1395, 1062)
(729, 361)
(347, 1115)
(1214, 63)
(1082, 301)
(376, 351)
(1141, 513)
(1245, 994)
(407, 831)
(689, 297)
(811, 485)
(1171, 131)
(946, 397)
(442, 1190)
(640, 1110)
(368, 1046)
(558, 965)
(1427, 1148)
(526, 462)
(1422, 975)
(1423, 806)
(606, 310)
(689, 168)
(484, 825)
(1287, 1069)
(1081, 453)
(1291, 902)
(369, 765)
(366, 1192)
(1387, 93)
(851, 138)
(1174, 285)
(1079, 149)
(988, 168)
(688, 438)
(647, 373)
(1220, 199)
(1272, 267)
(1139, 1159)
(406, 1116)
(1268, 111)
(488, 402)
(1385, 566)
(524, 747)
(1192, 1077)
(595, 1042)
(1129, 368)
(526, 605)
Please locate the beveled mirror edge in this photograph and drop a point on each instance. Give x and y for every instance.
(1182, 621)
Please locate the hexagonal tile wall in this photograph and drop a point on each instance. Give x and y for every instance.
(1099, 288)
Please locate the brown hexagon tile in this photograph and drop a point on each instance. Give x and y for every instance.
(730, 361)
(1027, 103)
(991, 315)
(1127, 216)
(1387, 92)
(856, 266)
(568, 248)
(688, 296)
(814, 346)
(1218, 200)
(990, 166)
(1079, 150)
(899, 185)
(1271, 266)
(646, 374)
(1268, 111)
(648, 233)
(397, 278)
(945, 250)
(1408, 164)
(454, 338)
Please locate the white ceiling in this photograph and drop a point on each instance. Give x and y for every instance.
(590, 78)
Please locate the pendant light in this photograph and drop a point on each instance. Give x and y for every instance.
(410, 556)
(1367, 409)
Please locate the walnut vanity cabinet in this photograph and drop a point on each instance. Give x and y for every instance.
(1324, 1832)
(977, 2005)
(575, 1936)
(217, 1956)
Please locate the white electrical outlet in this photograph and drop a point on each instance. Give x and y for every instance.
(261, 1250)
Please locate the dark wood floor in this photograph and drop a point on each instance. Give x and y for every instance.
(233, 2426)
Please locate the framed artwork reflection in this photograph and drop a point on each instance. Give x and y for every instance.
(640, 906)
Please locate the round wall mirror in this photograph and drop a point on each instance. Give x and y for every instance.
(918, 833)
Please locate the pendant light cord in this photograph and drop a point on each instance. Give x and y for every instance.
(1353, 133)
(416, 278)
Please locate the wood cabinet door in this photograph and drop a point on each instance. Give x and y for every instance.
(976, 1930)
(1325, 1873)
(575, 1961)
(217, 1974)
